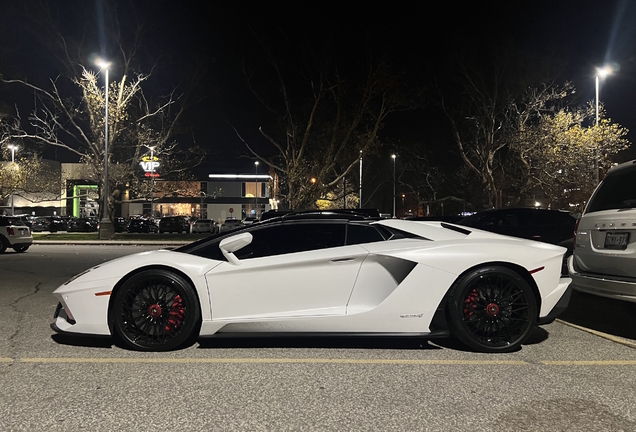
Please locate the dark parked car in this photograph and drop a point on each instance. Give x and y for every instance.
(82, 225)
(142, 225)
(26, 219)
(48, 223)
(174, 224)
(549, 226)
(120, 224)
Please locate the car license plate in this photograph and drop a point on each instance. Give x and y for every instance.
(616, 240)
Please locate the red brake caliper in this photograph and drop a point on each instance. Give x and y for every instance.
(176, 314)
(471, 303)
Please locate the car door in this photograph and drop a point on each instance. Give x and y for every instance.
(289, 270)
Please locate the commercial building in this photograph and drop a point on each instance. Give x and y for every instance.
(216, 196)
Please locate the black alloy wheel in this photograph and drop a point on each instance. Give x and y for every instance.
(155, 310)
(492, 309)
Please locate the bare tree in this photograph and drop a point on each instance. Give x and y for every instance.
(322, 116)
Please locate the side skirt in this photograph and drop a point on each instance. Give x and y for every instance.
(229, 335)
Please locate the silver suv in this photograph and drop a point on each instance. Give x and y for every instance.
(604, 259)
(14, 234)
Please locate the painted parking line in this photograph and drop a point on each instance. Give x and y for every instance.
(272, 360)
(617, 339)
(589, 362)
(6, 360)
(80, 360)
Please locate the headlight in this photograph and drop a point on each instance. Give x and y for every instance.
(78, 275)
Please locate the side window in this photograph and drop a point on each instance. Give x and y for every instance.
(292, 238)
(509, 219)
(359, 234)
(489, 221)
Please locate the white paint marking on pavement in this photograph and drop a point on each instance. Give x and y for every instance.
(610, 337)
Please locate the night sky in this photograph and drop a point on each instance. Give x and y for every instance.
(420, 37)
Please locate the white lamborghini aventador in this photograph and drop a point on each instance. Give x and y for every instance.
(323, 274)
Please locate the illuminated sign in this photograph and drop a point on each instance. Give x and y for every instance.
(149, 165)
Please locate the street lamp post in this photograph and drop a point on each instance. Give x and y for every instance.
(360, 190)
(152, 177)
(602, 73)
(13, 148)
(255, 188)
(105, 225)
(393, 156)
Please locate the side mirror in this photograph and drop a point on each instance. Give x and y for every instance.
(231, 244)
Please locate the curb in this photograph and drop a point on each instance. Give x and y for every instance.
(113, 242)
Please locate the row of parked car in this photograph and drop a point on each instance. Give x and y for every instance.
(181, 224)
(134, 224)
(58, 223)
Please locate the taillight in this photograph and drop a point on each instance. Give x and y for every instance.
(576, 230)
(10, 231)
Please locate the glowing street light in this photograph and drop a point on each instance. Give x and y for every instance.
(105, 225)
(13, 149)
(600, 73)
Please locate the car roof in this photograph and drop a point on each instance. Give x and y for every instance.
(624, 166)
(346, 214)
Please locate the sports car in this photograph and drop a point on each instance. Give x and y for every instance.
(323, 274)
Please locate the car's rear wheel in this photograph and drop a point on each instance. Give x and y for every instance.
(3, 244)
(155, 310)
(20, 248)
(492, 309)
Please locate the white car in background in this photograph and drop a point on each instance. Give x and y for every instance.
(14, 234)
(323, 273)
(231, 224)
(205, 226)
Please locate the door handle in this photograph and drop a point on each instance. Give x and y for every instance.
(343, 260)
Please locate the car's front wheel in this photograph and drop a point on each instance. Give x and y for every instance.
(155, 310)
(492, 309)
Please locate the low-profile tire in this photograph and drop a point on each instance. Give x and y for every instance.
(155, 310)
(492, 309)
(21, 248)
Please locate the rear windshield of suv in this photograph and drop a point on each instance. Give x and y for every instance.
(618, 191)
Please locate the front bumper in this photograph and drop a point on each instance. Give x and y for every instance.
(602, 285)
